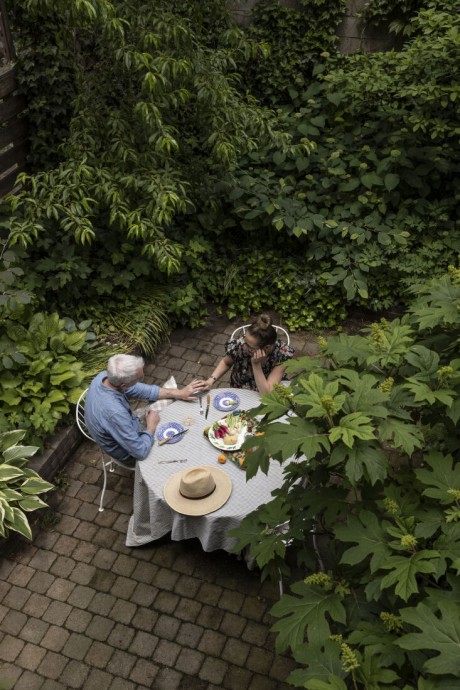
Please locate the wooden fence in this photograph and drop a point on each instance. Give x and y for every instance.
(13, 125)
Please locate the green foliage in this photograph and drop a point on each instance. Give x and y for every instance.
(40, 373)
(155, 90)
(19, 485)
(169, 171)
(296, 38)
(397, 16)
(373, 504)
(372, 208)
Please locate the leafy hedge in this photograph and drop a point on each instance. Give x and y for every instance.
(373, 421)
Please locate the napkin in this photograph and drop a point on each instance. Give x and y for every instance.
(160, 404)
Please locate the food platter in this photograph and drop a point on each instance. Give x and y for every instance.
(229, 432)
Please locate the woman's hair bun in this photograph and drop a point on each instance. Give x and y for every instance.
(264, 321)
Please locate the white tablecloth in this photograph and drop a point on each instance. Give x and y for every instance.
(152, 518)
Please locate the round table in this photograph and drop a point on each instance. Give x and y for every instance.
(152, 518)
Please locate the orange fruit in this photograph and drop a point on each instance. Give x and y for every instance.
(221, 458)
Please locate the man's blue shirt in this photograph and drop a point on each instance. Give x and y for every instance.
(111, 421)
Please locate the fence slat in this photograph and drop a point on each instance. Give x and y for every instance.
(16, 155)
(11, 107)
(8, 82)
(14, 131)
(8, 182)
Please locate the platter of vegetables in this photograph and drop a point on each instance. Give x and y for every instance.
(229, 432)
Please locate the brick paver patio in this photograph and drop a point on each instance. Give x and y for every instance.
(79, 609)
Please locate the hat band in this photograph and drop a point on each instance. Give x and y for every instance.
(197, 498)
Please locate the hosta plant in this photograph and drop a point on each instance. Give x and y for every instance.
(373, 506)
(20, 486)
(40, 373)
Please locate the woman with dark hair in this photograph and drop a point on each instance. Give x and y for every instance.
(256, 359)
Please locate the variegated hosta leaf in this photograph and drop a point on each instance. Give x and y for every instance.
(20, 524)
(11, 438)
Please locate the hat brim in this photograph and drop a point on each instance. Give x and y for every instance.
(198, 506)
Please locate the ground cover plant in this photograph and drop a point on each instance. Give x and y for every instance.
(374, 420)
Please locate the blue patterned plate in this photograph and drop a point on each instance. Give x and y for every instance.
(226, 401)
(169, 429)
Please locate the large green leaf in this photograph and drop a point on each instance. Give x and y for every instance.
(351, 426)
(424, 394)
(348, 348)
(273, 406)
(332, 683)
(321, 662)
(448, 545)
(454, 411)
(306, 616)
(295, 437)
(424, 360)
(363, 460)
(442, 477)
(406, 436)
(404, 571)
(440, 634)
(370, 538)
(365, 397)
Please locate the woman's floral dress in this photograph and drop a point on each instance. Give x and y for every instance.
(242, 375)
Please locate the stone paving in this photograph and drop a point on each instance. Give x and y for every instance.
(79, 609)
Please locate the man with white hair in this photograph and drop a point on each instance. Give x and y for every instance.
(108, 415)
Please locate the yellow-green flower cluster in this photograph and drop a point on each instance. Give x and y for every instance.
(328, 404)
(454, 274)
(455, 493)
(320, 579)
(283, 392)
(377, 334)
(348, 657)
(387, 385)
(445, 373)
(408, 541)
(391, 623)
(322, 342)
(391, 506)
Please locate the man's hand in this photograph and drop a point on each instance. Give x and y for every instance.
(190, 392)
(151, 420)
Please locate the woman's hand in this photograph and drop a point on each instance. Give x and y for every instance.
(259, 357)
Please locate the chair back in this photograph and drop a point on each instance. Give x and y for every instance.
(80, 416)
(279, 329)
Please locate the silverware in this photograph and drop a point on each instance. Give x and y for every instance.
(208, 402)
(163, 462)
(201, 405)
(165, 440)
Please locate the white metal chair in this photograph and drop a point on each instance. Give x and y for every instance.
(80, 418)
(243, 329)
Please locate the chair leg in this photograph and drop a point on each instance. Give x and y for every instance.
(280, 582)
(104, 467)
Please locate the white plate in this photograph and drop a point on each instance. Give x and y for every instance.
(219, 442)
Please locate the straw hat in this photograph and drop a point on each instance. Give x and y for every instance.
(198, 491)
